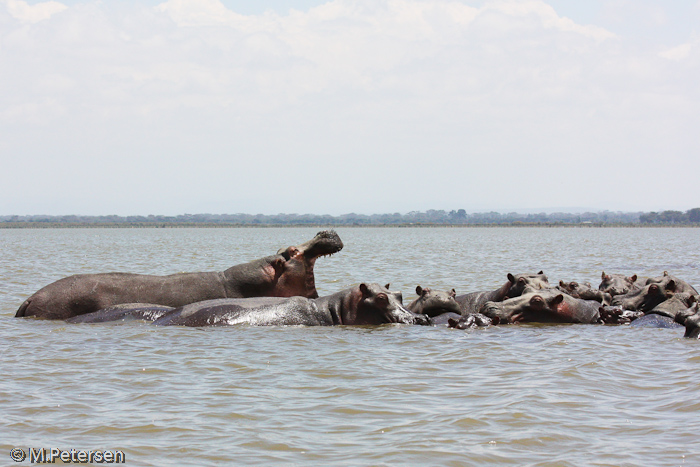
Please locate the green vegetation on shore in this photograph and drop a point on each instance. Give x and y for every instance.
(414, 218)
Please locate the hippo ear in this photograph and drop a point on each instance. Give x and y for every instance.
(453, 293)
(511, 278)
(602, 276)
(387, 286)
(364, 290)
(691, 300)
(665, 273)
(562, 283)
(452, 322)
(419, 290)
(541, 273)
(278, 264)
(633, 278)
(557, 300)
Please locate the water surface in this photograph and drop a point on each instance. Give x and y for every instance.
(532, 395)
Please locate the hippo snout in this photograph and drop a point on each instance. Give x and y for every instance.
(421, 320)
(491, 309)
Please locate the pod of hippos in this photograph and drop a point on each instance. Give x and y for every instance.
(280, 290)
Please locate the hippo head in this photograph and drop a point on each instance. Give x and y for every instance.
(647, 298)
(434, 302)
(679, 286)
(690, 318)
(617, 284)
(676, 303)
(530, 307)
(289, 273)
(378, 305)
(472, 320)
(297, 273)
(520, 282)
(544, 306)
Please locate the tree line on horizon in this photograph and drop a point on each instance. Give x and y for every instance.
(431, 216)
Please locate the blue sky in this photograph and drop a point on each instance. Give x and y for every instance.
(363, 106)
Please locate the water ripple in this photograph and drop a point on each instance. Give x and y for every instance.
(533, 395)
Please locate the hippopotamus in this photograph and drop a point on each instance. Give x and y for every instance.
(584, 291)
(690, 318)
(617, 315)
(619, 284)
(654, 321)
(434, 302)
(472, 302)
(472, 320)
(543, 306)
(680, 286)
(288, 273)
(673, 305)
(663, 315)
(123, 312)
(646, 298)
(366, 304)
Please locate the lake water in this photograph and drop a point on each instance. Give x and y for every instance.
(527, 395)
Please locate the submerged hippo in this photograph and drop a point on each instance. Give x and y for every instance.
(680, 286)
(472, 302)
(646, 298)
(288, 273)
(123, 312)
(619, 284)
(617, 315)
(663, 315)
(690, 318)
(434, 302)
(438, 305)
(543, 306)
(365, 304)
(674, 304)
(471, 321)
(585, 292)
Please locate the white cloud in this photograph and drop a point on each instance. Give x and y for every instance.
(201, 13)
(549, 18)
(33, 13)
(505, 99)
(680, 52)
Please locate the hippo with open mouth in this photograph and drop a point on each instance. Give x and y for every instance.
(288, 273)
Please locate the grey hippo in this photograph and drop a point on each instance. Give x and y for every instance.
(366, 304)
(288, 273)
(472, 302)
(543, 306)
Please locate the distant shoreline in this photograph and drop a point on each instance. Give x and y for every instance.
(199, 225)
(429, 218)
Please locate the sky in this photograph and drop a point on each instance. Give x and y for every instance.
(330, 107)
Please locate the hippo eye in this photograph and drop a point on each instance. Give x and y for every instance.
(382, 298)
